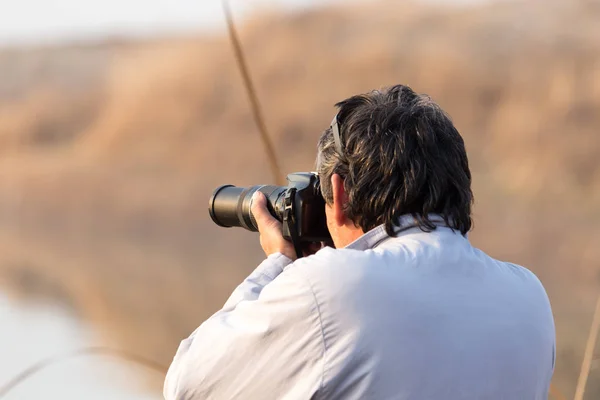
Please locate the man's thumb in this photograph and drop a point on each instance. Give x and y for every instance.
(259, 208)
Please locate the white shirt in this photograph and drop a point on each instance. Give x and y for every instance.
(417, 316)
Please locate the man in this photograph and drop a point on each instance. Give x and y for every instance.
(403, 307)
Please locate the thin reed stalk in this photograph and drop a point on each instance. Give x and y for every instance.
(589, 354)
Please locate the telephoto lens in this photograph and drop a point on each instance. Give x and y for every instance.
(230, 205)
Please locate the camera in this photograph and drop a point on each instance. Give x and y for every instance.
(299, 206)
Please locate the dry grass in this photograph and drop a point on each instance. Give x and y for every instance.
(104, 183)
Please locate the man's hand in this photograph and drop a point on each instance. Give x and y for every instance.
(271, 237)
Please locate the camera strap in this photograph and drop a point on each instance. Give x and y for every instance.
(290, 224)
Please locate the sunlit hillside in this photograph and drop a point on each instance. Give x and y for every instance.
(110, 151)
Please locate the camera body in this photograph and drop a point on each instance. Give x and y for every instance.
(304, 204)
(299, 206)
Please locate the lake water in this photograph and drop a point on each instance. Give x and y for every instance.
(29, 333)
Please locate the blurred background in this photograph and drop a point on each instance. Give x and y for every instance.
(118, 119)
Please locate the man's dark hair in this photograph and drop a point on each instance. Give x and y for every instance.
(401, 154)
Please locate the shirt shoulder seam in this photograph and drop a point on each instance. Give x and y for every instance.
(321, 328)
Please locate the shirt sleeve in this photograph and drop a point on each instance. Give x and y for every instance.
(265, 341)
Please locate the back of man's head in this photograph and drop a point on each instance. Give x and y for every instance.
(400, 154)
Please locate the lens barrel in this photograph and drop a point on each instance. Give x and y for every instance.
(223, 212)
(230, 205)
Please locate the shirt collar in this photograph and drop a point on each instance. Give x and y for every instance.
(375, 236)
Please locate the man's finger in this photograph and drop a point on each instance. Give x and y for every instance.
(263, 217)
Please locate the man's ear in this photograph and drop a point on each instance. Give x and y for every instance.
(340, 198)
